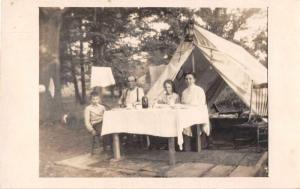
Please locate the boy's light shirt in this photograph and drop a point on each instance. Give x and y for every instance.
(93, 114)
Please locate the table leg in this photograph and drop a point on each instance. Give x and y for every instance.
(172, 159)
(187, 143)
(148, 141)
(199, 138)
(116, 146)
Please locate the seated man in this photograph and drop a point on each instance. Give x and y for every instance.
(193, 95)
(131, 95)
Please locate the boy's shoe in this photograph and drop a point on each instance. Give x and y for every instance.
(164, 147)
(107, 148)
(100, 149)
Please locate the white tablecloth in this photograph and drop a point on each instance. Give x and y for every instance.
(165, 122)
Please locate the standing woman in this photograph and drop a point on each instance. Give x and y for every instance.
(169, 96)
(193, 95)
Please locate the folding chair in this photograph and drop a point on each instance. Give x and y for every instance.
(258, 117)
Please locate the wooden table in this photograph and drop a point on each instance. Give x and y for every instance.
(151, 122)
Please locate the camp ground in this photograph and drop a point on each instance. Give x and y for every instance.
(229, 140)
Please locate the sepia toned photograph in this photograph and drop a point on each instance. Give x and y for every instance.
(153, 92)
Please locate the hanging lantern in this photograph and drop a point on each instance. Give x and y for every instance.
(189, 34)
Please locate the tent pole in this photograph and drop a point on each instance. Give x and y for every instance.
(250, 111)
(193, 62)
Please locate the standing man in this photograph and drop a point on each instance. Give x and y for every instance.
(131, 95)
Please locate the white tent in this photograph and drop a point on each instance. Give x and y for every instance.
(213, 60)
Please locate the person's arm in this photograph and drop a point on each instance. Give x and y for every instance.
(103, 110)
(87, 123)
(199, 99)
(182, 100)
(141, 94)
(121, 100)
(160, 100)
(177, 100)
(202, 97)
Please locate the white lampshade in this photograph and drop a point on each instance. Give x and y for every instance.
(102, 77)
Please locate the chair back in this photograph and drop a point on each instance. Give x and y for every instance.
(259, 100)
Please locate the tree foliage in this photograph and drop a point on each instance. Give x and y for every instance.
(131, 39)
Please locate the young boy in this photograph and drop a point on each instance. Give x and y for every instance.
(93, 115)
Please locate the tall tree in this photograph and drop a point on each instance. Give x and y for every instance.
(82, 73)
(49, 64)
(104, 29)
(75, 82)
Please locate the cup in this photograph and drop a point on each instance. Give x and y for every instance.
(171, 102)
(138, 106)
(129, 105)
(153, 104)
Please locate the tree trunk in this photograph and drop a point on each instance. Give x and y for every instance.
(98, 44)
(49, 64)
(94, 45)
(82, 72)
(73, 72)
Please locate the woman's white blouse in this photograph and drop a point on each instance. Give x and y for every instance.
(169, 99)
(193, 95)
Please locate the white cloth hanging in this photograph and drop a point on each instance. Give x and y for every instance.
(102, 77)
(51, 87)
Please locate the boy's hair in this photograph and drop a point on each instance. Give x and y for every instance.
(94, 93)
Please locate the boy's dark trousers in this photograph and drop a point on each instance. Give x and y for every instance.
(103, 141)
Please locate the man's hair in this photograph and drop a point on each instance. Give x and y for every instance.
(131, 76)
(94, 93)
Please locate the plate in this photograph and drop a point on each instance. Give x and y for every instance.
(162, 106)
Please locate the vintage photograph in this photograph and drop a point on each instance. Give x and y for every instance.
(153, 92)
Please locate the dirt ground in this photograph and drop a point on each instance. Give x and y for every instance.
(59, 141)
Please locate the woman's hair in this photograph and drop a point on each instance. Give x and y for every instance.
(190, 73)
(169, 81)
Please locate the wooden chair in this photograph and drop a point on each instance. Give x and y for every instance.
(258, 117)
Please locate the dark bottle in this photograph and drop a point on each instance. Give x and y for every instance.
(145, 102)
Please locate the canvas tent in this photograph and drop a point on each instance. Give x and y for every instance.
(215, 61)
(147, 80)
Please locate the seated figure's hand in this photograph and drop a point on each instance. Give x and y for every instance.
(94, 133)
(122, 106)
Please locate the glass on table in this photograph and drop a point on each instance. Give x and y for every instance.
(138, 106)
(153, 103)
(129, 105)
